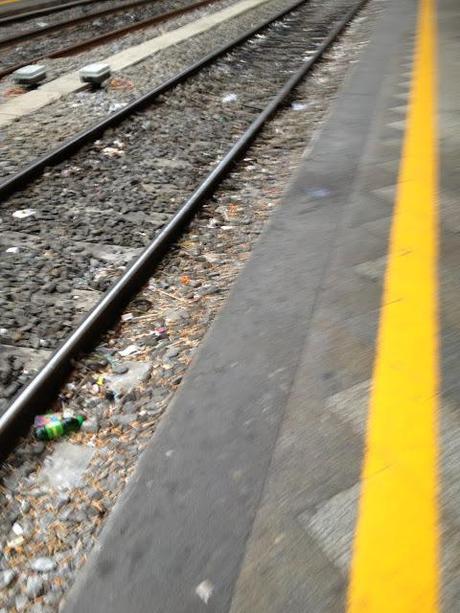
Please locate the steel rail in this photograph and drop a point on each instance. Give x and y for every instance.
(21, 15)
(46, 384)
(97, 40)
(70, 146)
(33, 33)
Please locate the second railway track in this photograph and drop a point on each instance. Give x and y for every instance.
(69, 235)
(14, 35)
(80, 34)
(16, 14)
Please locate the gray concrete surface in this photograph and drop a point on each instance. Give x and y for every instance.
(297, 557)
(70, 82)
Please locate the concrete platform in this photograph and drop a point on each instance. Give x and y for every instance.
(252, 496)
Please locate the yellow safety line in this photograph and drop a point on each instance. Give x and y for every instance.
(7, 1)
(395, 559)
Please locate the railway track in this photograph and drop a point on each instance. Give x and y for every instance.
(77, 248)
(30, 33)
(73, 144)
(96, 32)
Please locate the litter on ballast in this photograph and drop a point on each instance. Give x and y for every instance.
(17, 529)
(112, 152)
(15, 543)
(161, 332)
(64, 468)
(129, 350)
(55, 425)
(116, 106)
(230, 98)
(125, 382)
(23, 213)
(298, 106)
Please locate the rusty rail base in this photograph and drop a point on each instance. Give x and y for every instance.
(102, 38)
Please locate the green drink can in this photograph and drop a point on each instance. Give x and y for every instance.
(57, 428)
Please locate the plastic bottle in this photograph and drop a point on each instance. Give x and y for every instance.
(56, 429)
